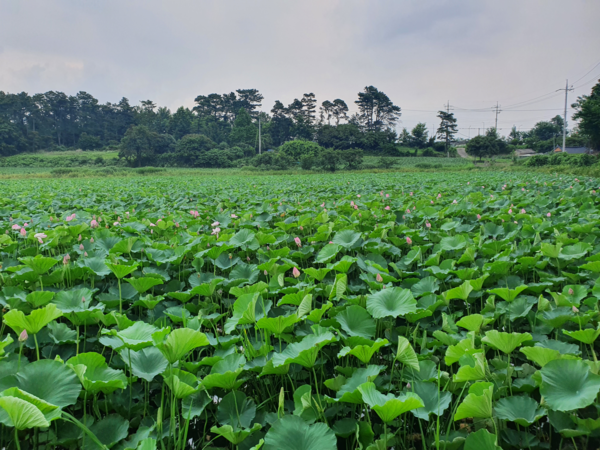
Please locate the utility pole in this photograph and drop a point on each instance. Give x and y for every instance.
(259, 137)
(566, 89)
(448, 111)
(498, 111)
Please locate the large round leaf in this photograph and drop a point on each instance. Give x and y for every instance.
(346, 238)
(293, 433)
(520, 409)
(356, 321)
(51, 381)
(568, 385)
(146, 363)
(392, 302)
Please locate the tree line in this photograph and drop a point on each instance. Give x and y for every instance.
(224, 127)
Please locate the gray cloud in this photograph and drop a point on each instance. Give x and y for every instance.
(422, 54)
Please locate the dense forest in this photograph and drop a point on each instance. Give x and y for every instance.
(221, 129)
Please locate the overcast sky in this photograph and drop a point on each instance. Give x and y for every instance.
(422, 54)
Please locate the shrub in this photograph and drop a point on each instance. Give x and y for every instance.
(306, 162)
(537, 161)
(329, 160)
(353, 158)
(296, 149)
(430, 152)
(191, 149)
(89, 142)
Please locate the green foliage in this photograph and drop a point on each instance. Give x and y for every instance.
(370, 327)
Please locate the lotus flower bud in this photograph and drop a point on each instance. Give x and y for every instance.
(265, 273)
(408, 240)
(23, 336)
(571, 292)
(575, 310)
(379, 278)
(295, 272)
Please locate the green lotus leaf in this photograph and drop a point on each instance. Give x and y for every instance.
(49, 380)
(181, 383)
(478, 403)
(393, 302)
(473, 368)
(39, 264)
(587, 336)
(460, 292)
(179, 342)
(224, 373)
(235, 436)
(317, 274)
(576, 251)
(22, 414)
(364, 352)
(356, 321)
(124, 246)
(206, 289)
(568, 385)
(388, 407)
(472, 322)
(39, 298)
(343, 265)
(349, 392)
(508, 294)
(236, 410)
(50, 412)
(193, 405)
(406, 354)
(327, 253)
(137, 336)
(339, 286)
(481, 440)
(96, 265)
(453, 243)
(557, 317)
(146, 363)
(520, 409)
(434, 401)
(465, 347)
(293, 433)
(304, 352)
(427, 285)
(540, 355)
(244, 311)
(277, 325)
(95, 375)
(142, 284)
(505, 342)
(121, 270)
(346, 238)
(109, 431)
(34, 322)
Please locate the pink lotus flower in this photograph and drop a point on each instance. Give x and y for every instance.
(116, 224)
(16, 227)
(352, 203)
(23, 336)
(387, 208)
(94, 224)
(381, 193)
(215, 224)
(510, 211)
(408, 386)
(322, 204)
(571, 292)
(478, 216)
(295, 272)
(92, 240)
(331, 242)
(428, 225)
(152, 225)
(66, 259)
(216, 231)
(265, 273)
(387, 195)
(411, 194)
(85, 254)
(81, 247)
(297, 241)
(523, 189)
(468, 182)
(454, 202)
(432, 202)
(79, 238)
(71, 217)
(407, 211)
(379, 278)
(301, 228)
(439, 196)
(39, 237)
(233, 216)
(355, 206)
(575, 310)
(358, 195)
(176, 224)
(194, 214)
(408, 240)
(522, 211)
(359, 215)
(548, 215)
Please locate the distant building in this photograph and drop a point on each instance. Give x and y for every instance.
(524, 153)
(574, 150)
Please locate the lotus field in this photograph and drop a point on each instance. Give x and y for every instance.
(320, 312)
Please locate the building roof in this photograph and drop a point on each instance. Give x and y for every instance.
(524, 152)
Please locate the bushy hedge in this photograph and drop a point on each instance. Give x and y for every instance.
(561, 159)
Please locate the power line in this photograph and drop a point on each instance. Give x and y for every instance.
(586, 74)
